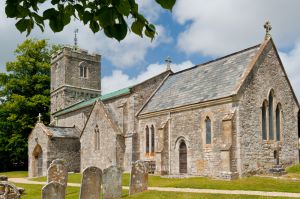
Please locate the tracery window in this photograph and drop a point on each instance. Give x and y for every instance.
(147, 139)
(271, 117)
(264, 120)
(208, 130)
(152, 139)
(278, 125)
(83, 70)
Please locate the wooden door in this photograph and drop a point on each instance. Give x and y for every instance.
(182, 158)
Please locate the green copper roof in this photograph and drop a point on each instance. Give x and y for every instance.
(91, 101)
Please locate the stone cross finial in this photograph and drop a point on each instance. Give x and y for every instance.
(168, 62)
(40, 118)
(268, 28)
(75, 39)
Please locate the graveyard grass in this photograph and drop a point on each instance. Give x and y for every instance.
(15, 174)
(253, 183)
(34, 192)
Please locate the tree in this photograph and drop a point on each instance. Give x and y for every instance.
(107, 15)
(25, 92)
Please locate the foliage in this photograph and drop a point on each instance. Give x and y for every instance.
(25, 92)
(111, 16)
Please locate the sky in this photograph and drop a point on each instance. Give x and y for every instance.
(196, 31)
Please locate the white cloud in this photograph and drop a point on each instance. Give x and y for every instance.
(218, 27)
(150, 9)
(119, 80)
(126, 53)
(291, 62)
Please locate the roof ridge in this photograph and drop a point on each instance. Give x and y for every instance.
(61, 126)
(218, 59)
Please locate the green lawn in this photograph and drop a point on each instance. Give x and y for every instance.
(293, 171)
(15, 174)
(250, 183)
(34, 192)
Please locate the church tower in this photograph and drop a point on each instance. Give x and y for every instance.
(75, 76)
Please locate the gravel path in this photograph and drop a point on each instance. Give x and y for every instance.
(187, 190)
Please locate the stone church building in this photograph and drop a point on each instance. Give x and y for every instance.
(227, 118)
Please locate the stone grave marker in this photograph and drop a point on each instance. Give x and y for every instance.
(138, 177)
(9, 191)
(112, 183)
(57, 172)
(53, 190)
(91, 183)
(3, 178)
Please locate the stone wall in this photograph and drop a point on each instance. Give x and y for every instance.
(77, 118)
(105, 154)
(256, 154)
(37, 138)
(67, 149)
(189, 126)
(67, 86)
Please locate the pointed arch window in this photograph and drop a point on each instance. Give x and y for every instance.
(278, 125)
(97, 138)
(152, 139)
(208, 130)
(83, 70)
(271, 117)
(264, 120)
(147, 139)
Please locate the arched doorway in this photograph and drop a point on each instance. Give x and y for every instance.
(37, 161)
(182, 157)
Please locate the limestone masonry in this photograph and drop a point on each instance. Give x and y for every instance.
(231, 117)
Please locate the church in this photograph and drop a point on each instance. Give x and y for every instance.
(228, 118)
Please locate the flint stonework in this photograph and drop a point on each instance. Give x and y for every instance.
(91, 183)
(57, 172)
(112, 183)
(138, 177)
(53, 190)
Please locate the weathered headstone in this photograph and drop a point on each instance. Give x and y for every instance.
(138, 177)
(3, 178)
(57, 172)
(53, 190)
(8, 190)
(112, 183)
(91, 183)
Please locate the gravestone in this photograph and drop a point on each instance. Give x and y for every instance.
(138, 177)
(9, 191)
(112, 183)
(3, 178)
(57, 172)
(91, 183)
(53, 190)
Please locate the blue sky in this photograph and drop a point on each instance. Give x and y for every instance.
(195, 32)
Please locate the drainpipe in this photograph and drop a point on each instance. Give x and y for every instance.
(169, 136)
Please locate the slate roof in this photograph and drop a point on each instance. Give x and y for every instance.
(64, 132)
(205, 82)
